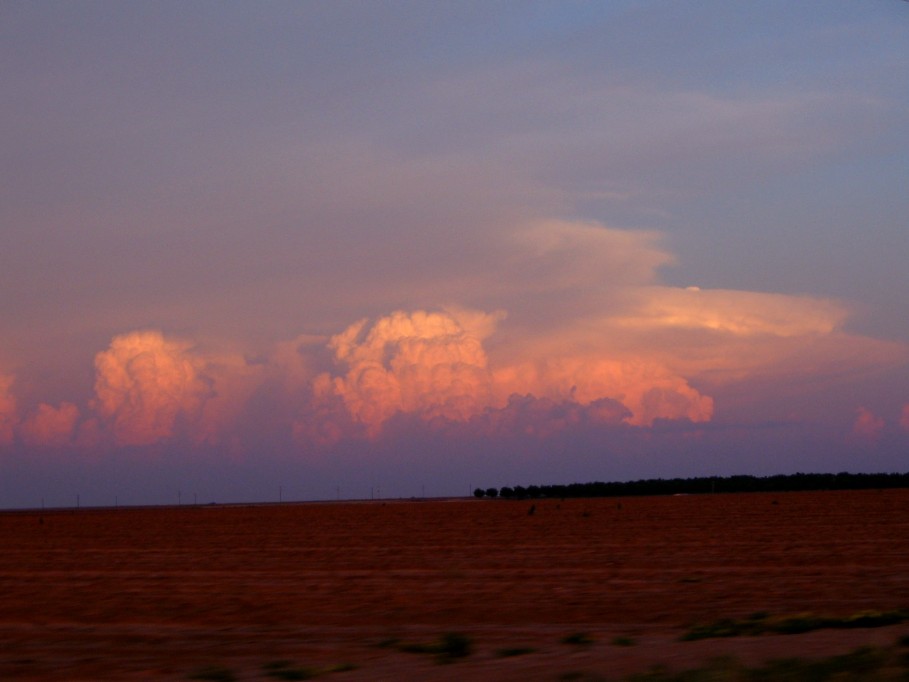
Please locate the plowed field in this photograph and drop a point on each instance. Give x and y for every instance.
(348, 591)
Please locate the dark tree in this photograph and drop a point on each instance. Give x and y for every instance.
(492, 492)
(506, 492)
(478, 493)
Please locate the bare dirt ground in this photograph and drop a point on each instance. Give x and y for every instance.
(342, 589)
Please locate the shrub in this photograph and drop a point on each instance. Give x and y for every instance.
(450, 646)
(514, 651)
(577, 639)
(285, 670)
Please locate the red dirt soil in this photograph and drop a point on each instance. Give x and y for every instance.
(172, 592)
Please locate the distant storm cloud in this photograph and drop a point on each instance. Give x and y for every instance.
(575, 330)
(429, 363)
(8, 410)
(149, 388)
(867, 425)
(434, 364)
(742, 313)
(644, 387)
(144, 383)
(50, 426)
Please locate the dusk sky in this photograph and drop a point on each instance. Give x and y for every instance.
(385, 248)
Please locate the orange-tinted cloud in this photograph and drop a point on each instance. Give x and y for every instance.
(431, 364)
(560, 254)
(648, 390)
(435, 365)
(148, 387)
(542, 417)
(9, 416)
(144, 383)
(586, 335)
(867, 425)
(743, 313)
(50, 426)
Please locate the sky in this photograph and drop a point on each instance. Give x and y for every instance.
(320, 250)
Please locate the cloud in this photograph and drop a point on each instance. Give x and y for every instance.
(646, 389)
(434, 365)
(50, 426)
(561, 254)
(544, 418)
(867, 425)
(9, 415)
(144, 383)
(582, 333)
(149, 388)
(431, 364)
(904, 417)
(742, 313)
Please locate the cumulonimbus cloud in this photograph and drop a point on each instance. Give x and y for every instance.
(429, 363)
(149, 387)
(434, 364)
(143, 383)
(580, 333)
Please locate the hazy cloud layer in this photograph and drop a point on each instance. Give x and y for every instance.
(50, 427)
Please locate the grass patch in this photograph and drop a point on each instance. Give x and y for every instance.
(763, 624)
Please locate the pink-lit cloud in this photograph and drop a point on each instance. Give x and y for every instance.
(9, 416)
(431, 364)
(543, 418)
(149, 388)
(867, 425)
(50, 426)
(584, 334)
(435, 365)
(904, 417)
(144, 383)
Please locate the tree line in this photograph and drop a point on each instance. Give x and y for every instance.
(703, 484)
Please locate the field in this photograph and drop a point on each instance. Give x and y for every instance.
(448, 589)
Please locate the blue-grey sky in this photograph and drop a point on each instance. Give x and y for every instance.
(402, 244)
